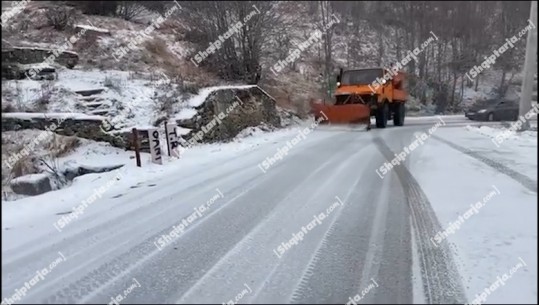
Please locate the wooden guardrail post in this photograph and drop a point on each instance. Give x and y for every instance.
(136, 146)
(167, 138)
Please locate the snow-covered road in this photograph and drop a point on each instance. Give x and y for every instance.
(322, 225)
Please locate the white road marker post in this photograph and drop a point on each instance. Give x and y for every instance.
(155, 146)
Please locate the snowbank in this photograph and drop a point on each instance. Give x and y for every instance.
(200, 98)
(52, 115)
(204, 93)
(501, 233)
(30, 179)
(524, 136)
(186, 113)
(91, 28)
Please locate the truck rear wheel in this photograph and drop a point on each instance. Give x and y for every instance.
(398, 114)
(382, 114)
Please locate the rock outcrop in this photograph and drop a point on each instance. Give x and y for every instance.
(226, 112)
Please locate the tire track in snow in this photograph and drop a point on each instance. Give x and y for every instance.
(333, 162)
(527, 182)
(302, 287)
(109, 272)
(439, 273)
(79, 240)
(90, 285)
(81, 245)
(218, 236)
(340, 250)
(26, 251)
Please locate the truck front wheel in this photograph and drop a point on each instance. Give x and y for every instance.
(382, 114)
(398, 114)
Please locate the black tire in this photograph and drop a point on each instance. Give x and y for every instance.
(490, 117)
(382, 114)
(398, 114)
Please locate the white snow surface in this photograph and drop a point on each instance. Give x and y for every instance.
(43, 49)
(491, 242)
(136, 93)
(41, 65)
(204, 93)
(92, 28)
(132, 96)
(523, 137)
(32, 178)
(487, 245)
(52, 115)
(186, 113)
(40, 210)
(200, 98)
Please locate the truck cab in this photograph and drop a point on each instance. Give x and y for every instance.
(382, 90)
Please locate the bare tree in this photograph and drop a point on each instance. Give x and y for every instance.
(259, 33)
(60, 17)
(327, 18)
(129, 9)
(508, 26)
(249, 27)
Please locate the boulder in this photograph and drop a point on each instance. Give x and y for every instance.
(31, 185)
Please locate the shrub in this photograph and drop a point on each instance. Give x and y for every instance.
(60, 17)
(114, 83)
(129, 9)
(102, 8)
(60, 145)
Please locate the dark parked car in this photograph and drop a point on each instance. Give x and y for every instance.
(493, 110)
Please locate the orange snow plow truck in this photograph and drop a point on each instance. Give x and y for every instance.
(363, 93)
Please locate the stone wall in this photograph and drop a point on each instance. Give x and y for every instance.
(84, 128)
(28, 55)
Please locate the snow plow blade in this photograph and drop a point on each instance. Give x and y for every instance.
(342, 114)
